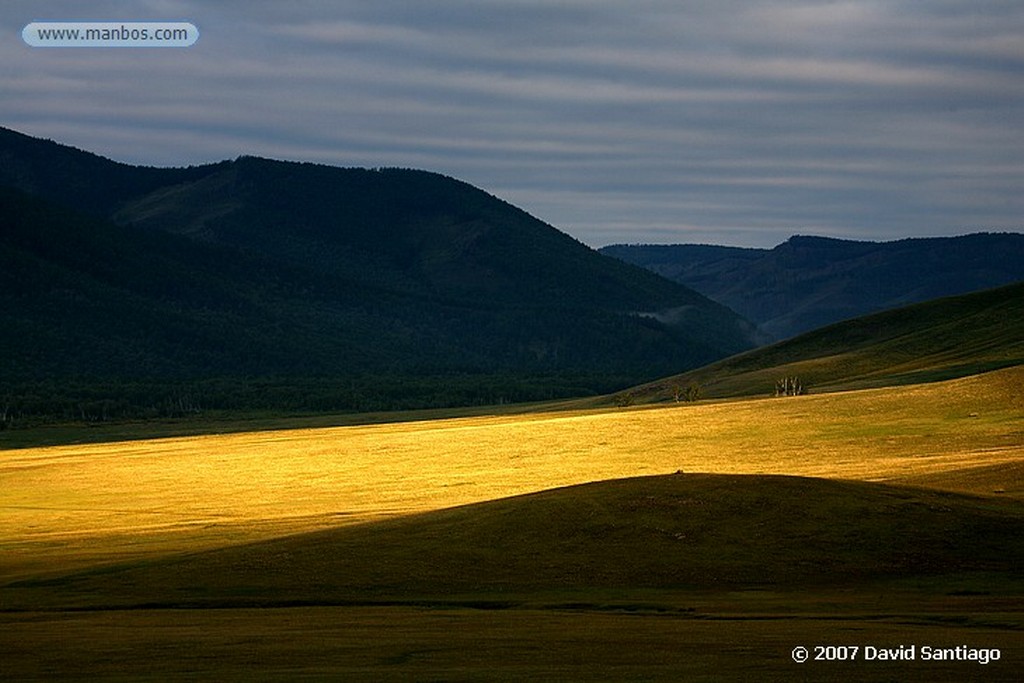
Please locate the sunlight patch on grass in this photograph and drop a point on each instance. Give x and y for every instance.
(73, 505)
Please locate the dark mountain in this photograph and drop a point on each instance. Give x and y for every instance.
(808, 282)
(76, 178)
(264, 284)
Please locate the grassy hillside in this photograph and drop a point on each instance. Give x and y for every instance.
(935, 340)
(674, 532)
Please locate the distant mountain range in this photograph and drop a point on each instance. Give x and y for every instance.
(259, 284)
(808, 282)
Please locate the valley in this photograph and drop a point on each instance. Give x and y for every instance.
(275, 420)
(655, 541)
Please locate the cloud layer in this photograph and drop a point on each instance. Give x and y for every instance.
(652, 121)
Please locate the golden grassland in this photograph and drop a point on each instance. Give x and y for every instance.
(67, 506)
(364, 601)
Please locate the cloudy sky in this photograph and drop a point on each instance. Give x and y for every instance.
(660, 121)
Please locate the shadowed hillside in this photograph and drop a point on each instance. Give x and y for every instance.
(674, 532)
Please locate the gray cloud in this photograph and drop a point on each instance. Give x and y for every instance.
(663, 121)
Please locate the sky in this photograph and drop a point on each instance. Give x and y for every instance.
(648, 121)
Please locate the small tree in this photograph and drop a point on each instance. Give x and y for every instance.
(790, 386)
(691, 392)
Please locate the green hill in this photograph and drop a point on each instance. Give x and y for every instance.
(676, 533)
(932, 341)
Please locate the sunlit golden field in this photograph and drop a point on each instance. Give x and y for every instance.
(64, 507)
(697, 577)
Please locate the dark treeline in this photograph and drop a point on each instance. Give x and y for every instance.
(90, 401)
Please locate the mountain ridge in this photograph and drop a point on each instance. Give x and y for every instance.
(809, 281)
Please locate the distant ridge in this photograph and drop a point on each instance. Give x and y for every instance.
(267, 285)
(809, 282)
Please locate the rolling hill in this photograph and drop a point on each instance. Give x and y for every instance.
(810, 282)
(259, 284)
(931, 341)
(678, 532)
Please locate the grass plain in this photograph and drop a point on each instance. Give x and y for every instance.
(422, 550)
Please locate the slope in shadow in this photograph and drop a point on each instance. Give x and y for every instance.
(673, 532)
